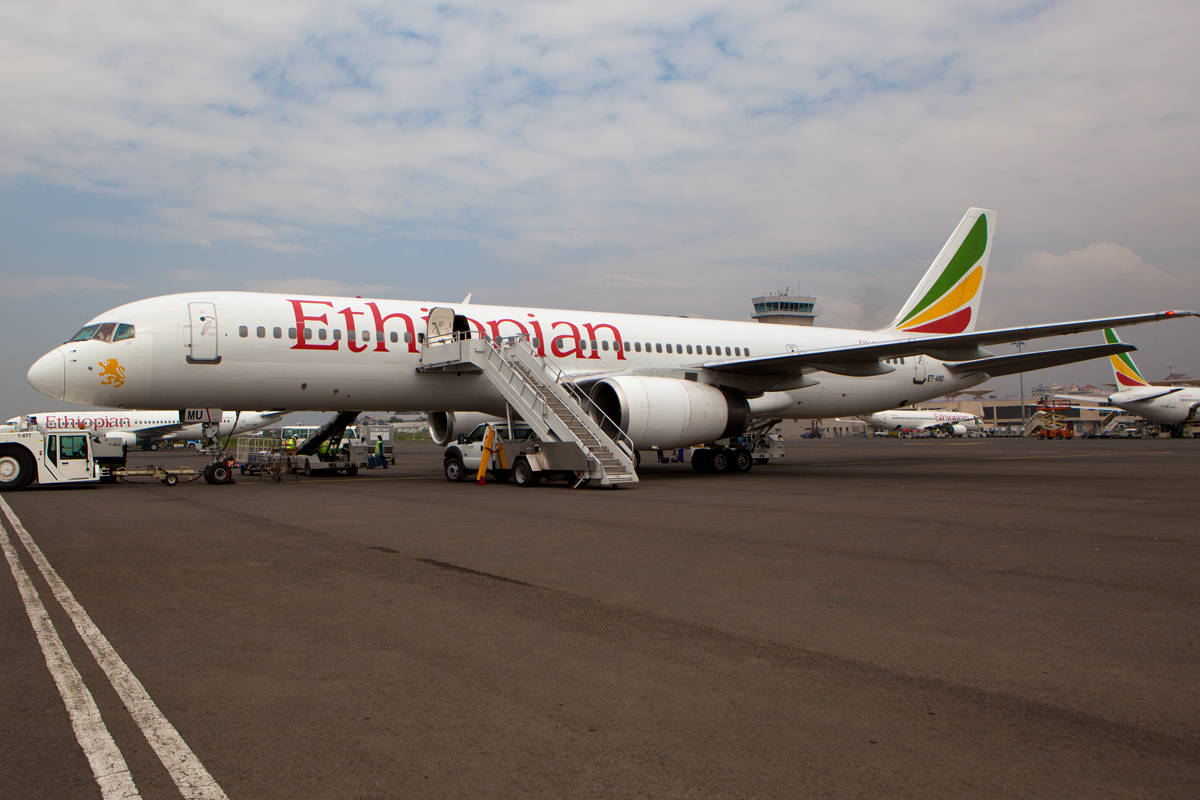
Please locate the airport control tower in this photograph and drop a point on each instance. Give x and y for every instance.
(785, 308)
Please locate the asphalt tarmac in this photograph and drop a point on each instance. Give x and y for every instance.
(870, 618)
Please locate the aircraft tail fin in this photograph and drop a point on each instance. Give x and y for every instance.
(947, 299)
(1125, 372)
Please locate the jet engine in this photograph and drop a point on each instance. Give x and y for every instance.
(958, 430)
(122, 437)
(447, 426)
(667, 413)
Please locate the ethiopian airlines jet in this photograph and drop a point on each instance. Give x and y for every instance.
(146, 428)
(667, 381)
(955, 423)
(1170, 406)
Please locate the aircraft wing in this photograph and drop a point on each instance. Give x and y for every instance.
(1025, 362)
(863, 359)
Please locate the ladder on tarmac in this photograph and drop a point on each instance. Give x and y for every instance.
(541, 394)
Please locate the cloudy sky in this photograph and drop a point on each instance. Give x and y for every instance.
(673, 157)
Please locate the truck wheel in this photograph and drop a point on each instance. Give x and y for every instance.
(523, 474)
(308, 470)
(16, 468)
(453, 468)
(171, 480)
(352, 470)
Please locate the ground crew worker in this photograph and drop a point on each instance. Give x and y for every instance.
(379, 451)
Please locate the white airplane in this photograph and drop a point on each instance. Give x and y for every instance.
(954, 423)
(1170, 406)
(146, 428)
(667, 381)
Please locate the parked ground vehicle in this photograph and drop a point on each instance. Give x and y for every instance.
(517, 454)
(59, 457)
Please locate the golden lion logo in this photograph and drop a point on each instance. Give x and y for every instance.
(111, 373)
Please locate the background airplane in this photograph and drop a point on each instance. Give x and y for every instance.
(954, 423)
(665, 381)
(143, 428)
(1170, 406)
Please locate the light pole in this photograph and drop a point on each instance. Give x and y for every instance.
(1022, 377)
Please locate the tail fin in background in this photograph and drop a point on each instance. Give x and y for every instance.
(947, 299)
(1125, 372)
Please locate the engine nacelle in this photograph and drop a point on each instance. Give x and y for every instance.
(958, 430)
(667, 412)
(446, 426)
(122, 437)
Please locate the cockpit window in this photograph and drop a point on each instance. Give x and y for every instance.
(84, 334)
(123, 332)
(105, 332)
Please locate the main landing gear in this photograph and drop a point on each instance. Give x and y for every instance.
(722, 459)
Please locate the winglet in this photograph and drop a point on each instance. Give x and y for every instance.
(947, 299)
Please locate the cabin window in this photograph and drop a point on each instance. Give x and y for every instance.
(379, 337)
(728, 351)
(277, 333)
(746, 351)
(260, 332)
(536, 343)
(604, 344)
(308, 334)
(594, 344)
(637, 346)
(708, 349)
(243, 331)
(321, 334)
(123, 332)
(583, 344)
(658, 347)
(52, 449)
(628, 346)
(407, 337)
(737, 351)
(291, 333)
(366, 336)
(669, 348)
(689, 349)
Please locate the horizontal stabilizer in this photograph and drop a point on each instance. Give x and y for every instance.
(1025, 362)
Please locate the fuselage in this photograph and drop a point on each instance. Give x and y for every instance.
(1176, 408)
(918, 419)
(251, 350)
(146, 426)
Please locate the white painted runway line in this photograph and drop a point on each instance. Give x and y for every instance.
(103, 755)
(190, 776)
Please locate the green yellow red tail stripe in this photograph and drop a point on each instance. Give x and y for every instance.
(1125, 372)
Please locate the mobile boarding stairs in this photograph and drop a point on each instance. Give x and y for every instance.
(560, 413)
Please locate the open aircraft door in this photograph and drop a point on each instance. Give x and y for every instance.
(440, 327)
(202, 334)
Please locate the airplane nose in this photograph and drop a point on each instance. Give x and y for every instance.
(49, 375)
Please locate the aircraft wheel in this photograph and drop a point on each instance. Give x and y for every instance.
(16, 468)
(742, 460)
(453, 469)
(523, 474)
(720, 461)
(702, 460)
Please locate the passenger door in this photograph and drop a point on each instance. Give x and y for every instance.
(202, 334)
(440, 327)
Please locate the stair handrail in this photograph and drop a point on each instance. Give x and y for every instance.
(589, 406)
